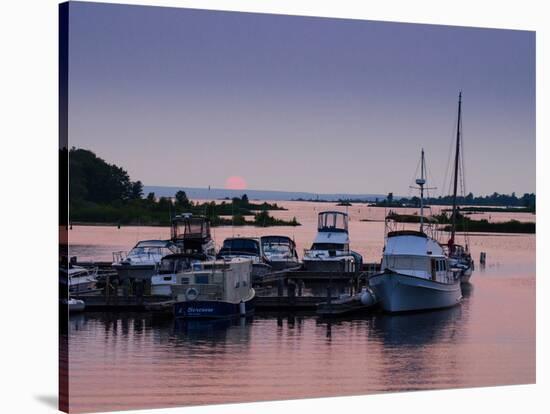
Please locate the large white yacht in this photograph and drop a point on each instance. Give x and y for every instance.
(415, 270)
(330, 250)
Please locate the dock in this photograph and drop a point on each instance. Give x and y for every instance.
(276, 291)
(153, 303)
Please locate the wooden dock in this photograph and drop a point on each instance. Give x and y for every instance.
(157, 303)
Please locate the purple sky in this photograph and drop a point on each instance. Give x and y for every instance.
(188, 98)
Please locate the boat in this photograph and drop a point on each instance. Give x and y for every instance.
(330, 250)
(76, 305)
(249, 248)
(210, 289)
(79, 279)
(280, 252)
(191, 234)
(141, 262)
(415, 273)
(170, 267)
(459, 256)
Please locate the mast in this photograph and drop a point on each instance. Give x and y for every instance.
(457, 157)
(421, 181)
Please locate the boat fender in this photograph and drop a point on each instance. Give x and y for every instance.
(242, 308)
(191, 294)
(368, 298)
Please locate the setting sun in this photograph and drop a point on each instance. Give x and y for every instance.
(235, 182)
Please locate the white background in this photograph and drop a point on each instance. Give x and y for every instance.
(28, 212)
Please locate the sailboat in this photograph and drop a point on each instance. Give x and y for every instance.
(459, 256)
(415, 268)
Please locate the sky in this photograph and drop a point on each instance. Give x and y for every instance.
(197, 98)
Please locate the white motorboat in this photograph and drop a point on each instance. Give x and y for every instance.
(141, 262)
(330, 250)
(415, 269)
(206, 289)
(280, 252)
(79, 279)
(250, 248)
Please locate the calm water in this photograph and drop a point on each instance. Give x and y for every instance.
(124, 361)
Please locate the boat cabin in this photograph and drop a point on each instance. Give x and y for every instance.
(241, 246)
(413, 253)
(192, 234)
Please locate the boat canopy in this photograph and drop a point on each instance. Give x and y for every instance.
(186, 227)
(278, 240)
(332, 221)
(412, 243)
(240, 245)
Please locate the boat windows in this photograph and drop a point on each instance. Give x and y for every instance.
(201, 279)
(174, 265)
(406, 262)
(328, 246)
(249, 246)
(333, 221)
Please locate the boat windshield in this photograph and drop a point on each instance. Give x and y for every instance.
(174, 264)
(328, 246)
(333, 221)
(153, 249)
(190, 228)
(248, 246)
(277, 244)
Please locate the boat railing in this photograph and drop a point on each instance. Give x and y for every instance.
(119, 256)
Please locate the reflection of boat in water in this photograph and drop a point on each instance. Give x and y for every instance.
(248, 248)
(141, 262)
(280, 252)
(415, 270)
(420, 328)
(330, 250)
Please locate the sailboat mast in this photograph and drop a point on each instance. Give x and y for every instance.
(457, 157)
(420, 182)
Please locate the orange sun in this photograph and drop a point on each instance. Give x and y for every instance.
(235, 182)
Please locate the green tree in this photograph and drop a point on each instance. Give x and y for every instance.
(181, 199)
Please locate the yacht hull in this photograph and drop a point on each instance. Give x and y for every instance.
(402, 293)
(212, 309)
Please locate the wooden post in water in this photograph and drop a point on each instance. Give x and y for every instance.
(280, 287)
(107, 288)
(482, 258)
(291, 291)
